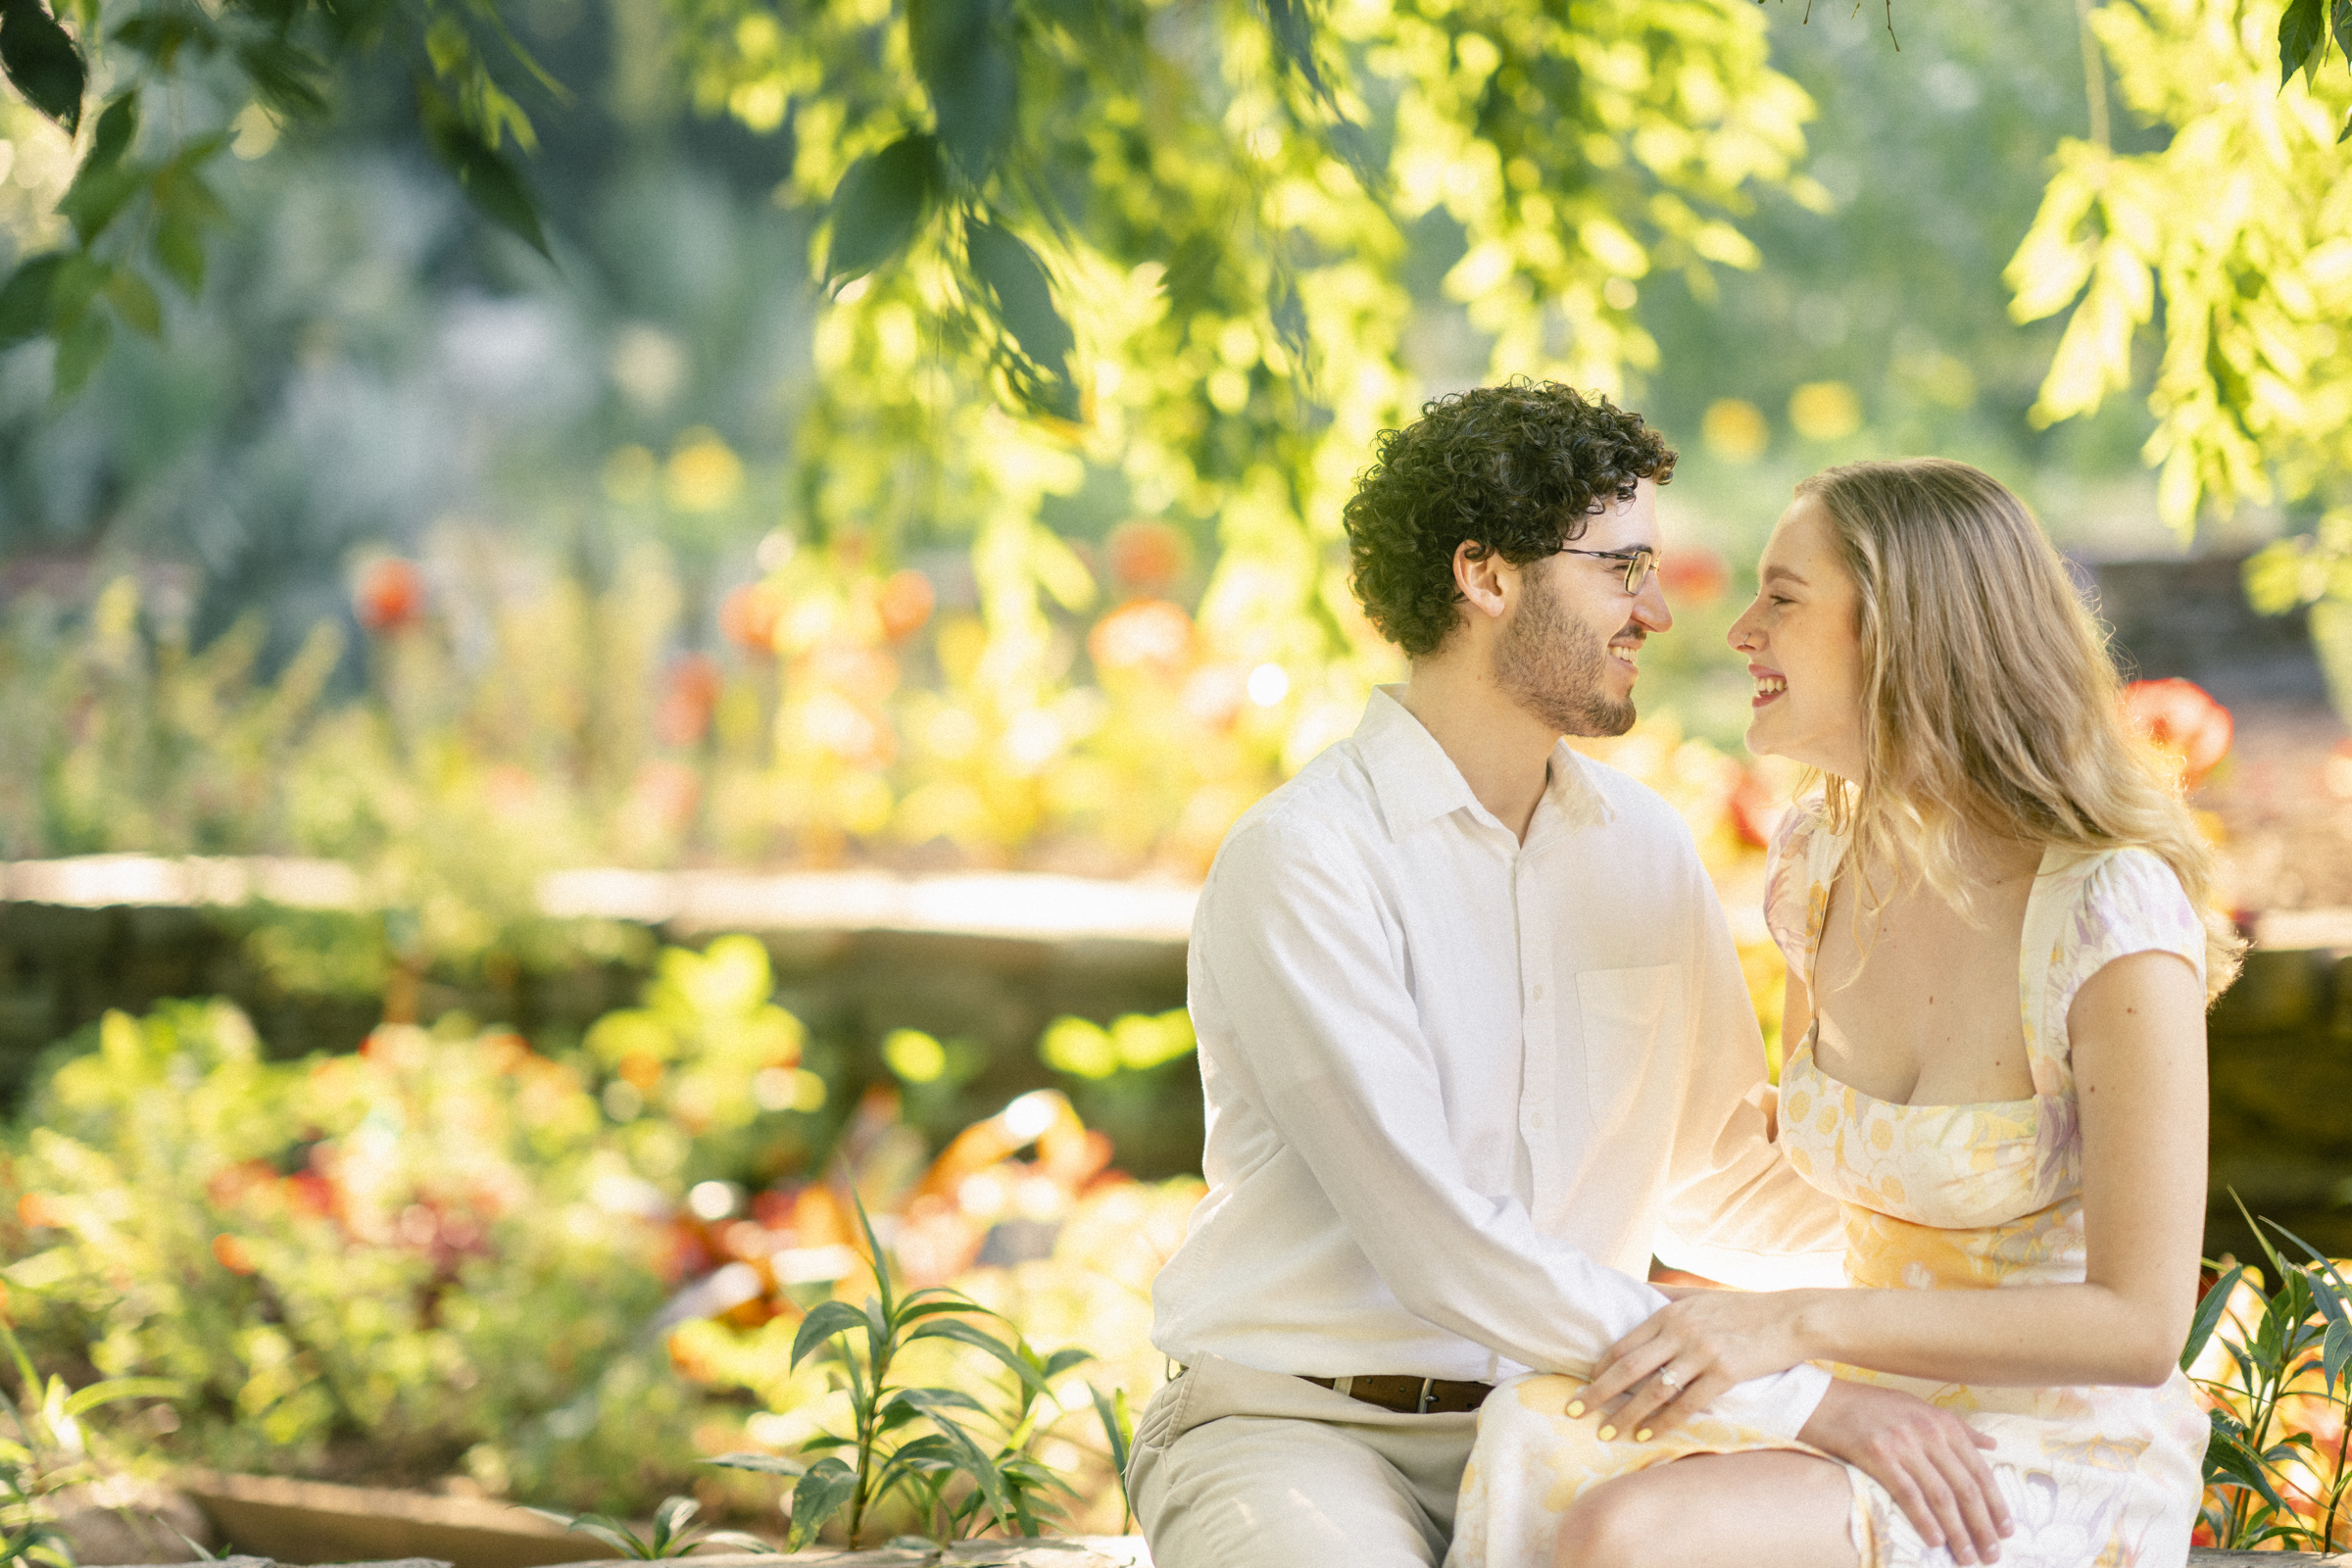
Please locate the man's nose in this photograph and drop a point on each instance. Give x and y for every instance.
(1650, 609)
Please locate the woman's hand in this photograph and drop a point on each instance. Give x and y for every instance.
(1692, 1349)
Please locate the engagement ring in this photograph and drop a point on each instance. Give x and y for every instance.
(1667, 1379)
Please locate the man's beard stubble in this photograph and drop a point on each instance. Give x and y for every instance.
(1551, 665)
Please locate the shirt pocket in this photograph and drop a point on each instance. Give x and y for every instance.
(1631, 1018)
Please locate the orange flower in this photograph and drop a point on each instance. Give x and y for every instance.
(904, 604)
(687, 700)
(390, 596)
(1693, 575)
(2182, 723)
(749, 615)
(231, 1254)
(1147, 555)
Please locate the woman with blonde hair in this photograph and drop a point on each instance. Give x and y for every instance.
(1998, 970)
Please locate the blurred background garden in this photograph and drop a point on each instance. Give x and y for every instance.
(624, 626)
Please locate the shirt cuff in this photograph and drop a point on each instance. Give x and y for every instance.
(1779, 1404)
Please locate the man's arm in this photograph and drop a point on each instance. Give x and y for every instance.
(1735, 1211)
(1327, 1037)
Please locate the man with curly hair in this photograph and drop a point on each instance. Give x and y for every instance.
(1473, 1035)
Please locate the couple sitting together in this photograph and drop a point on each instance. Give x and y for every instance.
(1476, 1046)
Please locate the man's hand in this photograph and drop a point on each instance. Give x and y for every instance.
(1930, 1460)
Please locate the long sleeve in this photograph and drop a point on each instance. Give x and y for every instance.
(1318, 1026)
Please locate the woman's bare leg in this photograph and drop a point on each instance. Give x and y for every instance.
(1716, 1511)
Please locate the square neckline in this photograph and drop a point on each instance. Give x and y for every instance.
(2025, 977)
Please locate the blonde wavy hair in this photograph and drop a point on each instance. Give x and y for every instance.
(1989, 703)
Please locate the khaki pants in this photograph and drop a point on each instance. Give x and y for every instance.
(1238, 1468)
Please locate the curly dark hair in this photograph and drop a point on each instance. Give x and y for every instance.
(1515, 470)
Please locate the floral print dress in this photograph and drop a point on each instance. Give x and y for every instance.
(1969, 1197)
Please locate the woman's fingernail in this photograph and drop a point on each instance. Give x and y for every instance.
(1608, 1433)
(1576, 1407)
(1642, 1436)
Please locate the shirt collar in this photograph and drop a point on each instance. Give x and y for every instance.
(1417, 782)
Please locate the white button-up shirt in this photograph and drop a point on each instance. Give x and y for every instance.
(1461, 1087)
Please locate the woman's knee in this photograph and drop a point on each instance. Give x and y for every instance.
(1615, 1525)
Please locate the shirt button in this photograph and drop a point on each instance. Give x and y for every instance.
(1539, 993)
(1536, 1121)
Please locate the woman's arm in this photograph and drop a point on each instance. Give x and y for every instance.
(2138, 1029)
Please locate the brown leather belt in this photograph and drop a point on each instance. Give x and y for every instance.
(1412, 1395)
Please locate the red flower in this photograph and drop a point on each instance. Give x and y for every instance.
(1147, 555)
(1693, 575)
(687, 701)
(2182, 723)
(390, 596)
(904, 604)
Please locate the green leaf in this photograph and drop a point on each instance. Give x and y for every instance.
(1024, 298)
(1064, 1359)
(1118, 1429)
(283, 77)
(879, 205)
(963, 53)
(161, 35)
(1294, 33)
(774, 1464)
(98, 193)
(2301, 33)
(490, 181)
(115, 129)
(2340, 23)
(978, 1465)
(80, 350)
(2209, 1313)
(825, 1320)
(2229, 1459)
(178, 247)
(827, 1486)
(597, 1527)
(929, 1399)
(981, 1339)
(27, 298)
(42, 61)
(113, 1389)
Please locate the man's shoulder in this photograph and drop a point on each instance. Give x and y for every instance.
(1330, 801)
(1634, 805)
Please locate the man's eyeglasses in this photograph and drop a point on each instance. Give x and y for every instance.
(1638, 564)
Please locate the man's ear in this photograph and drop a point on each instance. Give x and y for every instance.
(1488, 583)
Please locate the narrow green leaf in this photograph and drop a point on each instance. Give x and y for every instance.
(774, 1464)
(285, 78)
(883, 1308)
(2340, 23)
(113, 1389)
(133, 299)
(2208, 1315)
(963, 51)
(25, 303)
(1294, 32)
(820, 1495)
(42, 61)
(672, 1518)
(80, 350)
(2226, 1458)
(879, 205)
(978, 1465)
(2335, 1351)
(825, 1321)
(1118, 1429)
(1064, 1359)
(2328, 1292)
(595, 1526)
(1024, 298)
(982, 1340)
(929, 1399)
(2301, 32)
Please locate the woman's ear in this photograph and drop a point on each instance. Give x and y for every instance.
(1487, 581)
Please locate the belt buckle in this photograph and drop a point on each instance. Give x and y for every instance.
(1428, 1388)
